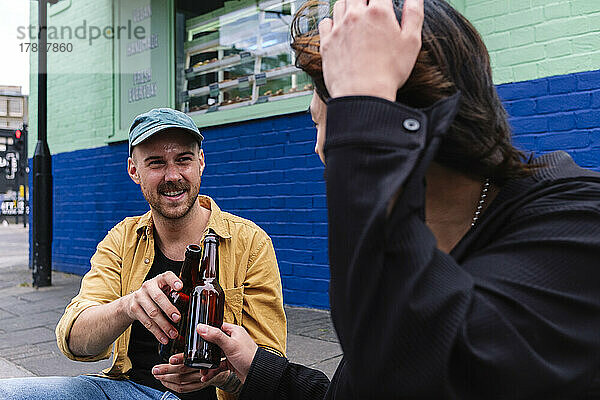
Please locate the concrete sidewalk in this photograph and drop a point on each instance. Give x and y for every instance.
(28, 317)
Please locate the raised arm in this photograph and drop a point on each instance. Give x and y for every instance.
(516, 318)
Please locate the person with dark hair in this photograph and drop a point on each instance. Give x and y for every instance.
(459, 268)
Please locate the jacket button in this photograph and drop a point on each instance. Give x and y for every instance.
(146, 260)
(411, 125)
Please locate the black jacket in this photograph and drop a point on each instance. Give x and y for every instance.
(513, 312)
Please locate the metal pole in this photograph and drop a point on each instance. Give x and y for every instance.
(17, 191)
(42, 168)
(25, 174)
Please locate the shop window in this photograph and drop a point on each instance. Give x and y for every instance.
(234, 54)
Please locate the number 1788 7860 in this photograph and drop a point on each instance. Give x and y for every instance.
(50, 47)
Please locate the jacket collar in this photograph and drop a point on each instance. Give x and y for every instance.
(216, 221)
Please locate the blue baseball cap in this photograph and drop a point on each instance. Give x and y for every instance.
(158, 119)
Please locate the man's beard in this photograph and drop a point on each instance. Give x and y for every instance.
(154, 199)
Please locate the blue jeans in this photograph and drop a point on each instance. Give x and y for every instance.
(77, 388)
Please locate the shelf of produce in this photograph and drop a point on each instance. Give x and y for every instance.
(247, 80)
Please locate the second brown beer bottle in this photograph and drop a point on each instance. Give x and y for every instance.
(206, 306)
(181, 300)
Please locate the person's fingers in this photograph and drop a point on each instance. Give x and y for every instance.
(170, 369)
(381, 3)
(169, 279)
(183, 378)
(179, 377)
(229, 328)
(180, 388)
(163, 281)
(325, 27)
(355, 3)
(176, 359)
(339, 8)
(205, 374)
(208, 374)
(215, 335)
(153, 311)
(239, 348)
(148, 323)
(412, 17)
(182, 384)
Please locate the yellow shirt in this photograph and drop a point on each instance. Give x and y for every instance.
(248, 275)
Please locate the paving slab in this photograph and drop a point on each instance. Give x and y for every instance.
(16, 323)
(311, 323)
(14, 354)
(11, 370)
(327, 366)
(47, 365)
(28, 336)
(309, 351)
(6, 314)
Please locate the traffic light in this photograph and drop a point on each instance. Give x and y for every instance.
(19, 140)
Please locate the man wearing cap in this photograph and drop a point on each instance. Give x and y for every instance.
(121, 307)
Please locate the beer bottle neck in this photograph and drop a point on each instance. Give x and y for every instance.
(189, 269)
(211, 260)
(186, 275)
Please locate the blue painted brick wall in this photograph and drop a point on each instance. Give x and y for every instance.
(266, 171)
(558, 112)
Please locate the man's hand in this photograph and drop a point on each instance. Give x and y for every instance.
(99, 326)
(149, 305)
(182, 379)
(364, 49)
(238, 346)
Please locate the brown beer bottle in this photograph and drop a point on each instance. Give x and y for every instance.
(181, 300)
(206, 307)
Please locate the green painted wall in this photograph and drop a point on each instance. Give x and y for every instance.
(530, 39)
(458, 4)
(154, 66)
(527, 39)
(80, 82)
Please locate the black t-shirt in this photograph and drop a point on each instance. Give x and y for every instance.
(143, 346)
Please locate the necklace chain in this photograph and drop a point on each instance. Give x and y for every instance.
(480, 204)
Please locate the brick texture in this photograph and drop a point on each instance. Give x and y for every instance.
(558, 112)
(267, 171)
(537, 38)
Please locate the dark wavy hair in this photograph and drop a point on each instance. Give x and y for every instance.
(452, 57)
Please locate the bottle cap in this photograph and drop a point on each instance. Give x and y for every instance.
(193, 249)
(211, 238)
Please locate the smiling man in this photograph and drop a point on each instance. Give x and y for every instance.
(122, 306)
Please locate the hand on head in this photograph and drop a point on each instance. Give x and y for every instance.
(364, 49)
(150, 306)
